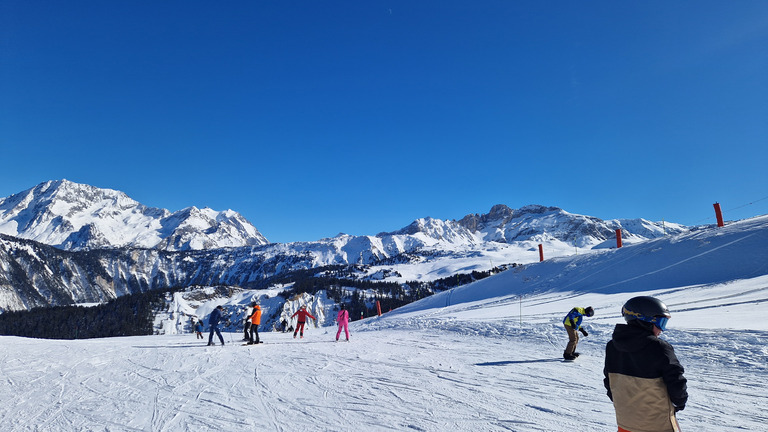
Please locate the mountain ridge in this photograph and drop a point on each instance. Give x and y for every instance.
(93, 254)
(75, 216)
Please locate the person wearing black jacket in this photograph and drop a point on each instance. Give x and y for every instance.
(643, 377)
(213, 323)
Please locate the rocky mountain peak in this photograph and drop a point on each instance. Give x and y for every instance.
(475, 222)
(76, 216)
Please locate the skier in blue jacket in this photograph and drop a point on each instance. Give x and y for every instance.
(213, 323)
(572, 322)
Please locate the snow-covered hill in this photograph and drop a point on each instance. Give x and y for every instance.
(481, 357)
(75, 216)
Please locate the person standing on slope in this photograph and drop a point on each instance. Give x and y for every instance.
(255, 321)
(199, 329)
(303, 314)
(572, 323)
(342, 318)
(643, 377)
(247, 322)
(213, 323)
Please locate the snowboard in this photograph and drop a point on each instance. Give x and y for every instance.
(571, 360)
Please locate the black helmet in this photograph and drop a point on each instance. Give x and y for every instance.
(646, 311)
(589, 311)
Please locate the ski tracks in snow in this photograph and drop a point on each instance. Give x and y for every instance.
(422, 379)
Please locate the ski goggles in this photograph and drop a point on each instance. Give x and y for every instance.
(660, 322)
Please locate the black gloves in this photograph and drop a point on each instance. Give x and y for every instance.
(679, 408)
(583, 331)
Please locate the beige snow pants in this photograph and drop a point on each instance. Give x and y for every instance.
(573, 340)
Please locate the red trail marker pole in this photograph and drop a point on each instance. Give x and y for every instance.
(719, 214)
(618, 238)
(541, 252)
(378, 307)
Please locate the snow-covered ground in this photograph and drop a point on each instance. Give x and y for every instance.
(482, 357)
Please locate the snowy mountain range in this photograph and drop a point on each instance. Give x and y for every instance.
(70, 243)
(74, 216)
(535, 223)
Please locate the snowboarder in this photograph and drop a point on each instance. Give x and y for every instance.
(213, 323)
(255, 321)
(643, 377)
(572, 323)
(199, 329)
(247, 323)
(303, 314)
(342, 318)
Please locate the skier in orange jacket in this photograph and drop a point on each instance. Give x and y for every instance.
(255, 321)
(303, 314)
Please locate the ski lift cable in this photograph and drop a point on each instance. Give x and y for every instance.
(748, 204)
(732, 209)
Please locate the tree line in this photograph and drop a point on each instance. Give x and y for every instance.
(129, 315)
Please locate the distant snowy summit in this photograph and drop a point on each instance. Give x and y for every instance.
(75, 216)
(536, 223)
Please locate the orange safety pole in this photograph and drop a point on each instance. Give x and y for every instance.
(541, 252)
(719, 214)
(618, 238)
(378, 307)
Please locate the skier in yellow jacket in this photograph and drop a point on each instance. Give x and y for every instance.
(572, 322)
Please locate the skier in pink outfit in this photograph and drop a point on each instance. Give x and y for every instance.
(343, 320)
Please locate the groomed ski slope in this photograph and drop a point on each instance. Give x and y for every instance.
(483, 357)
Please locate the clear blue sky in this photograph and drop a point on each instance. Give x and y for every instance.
(317, 117)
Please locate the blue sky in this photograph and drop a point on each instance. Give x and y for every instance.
(317, 117)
